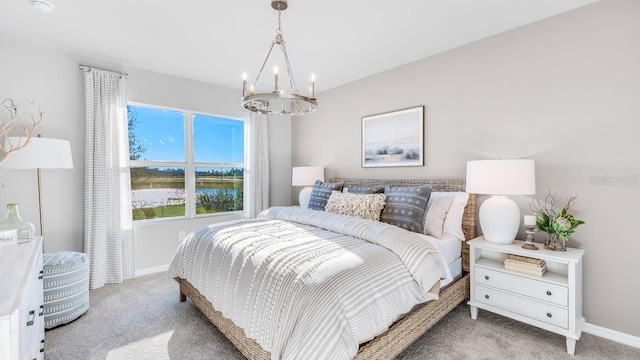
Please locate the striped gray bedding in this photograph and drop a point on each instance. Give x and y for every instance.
(308, 284)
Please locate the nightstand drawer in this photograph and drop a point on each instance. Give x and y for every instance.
(537, 289)
(523, 306)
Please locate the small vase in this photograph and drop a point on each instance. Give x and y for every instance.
(26, 231)
(555, 242)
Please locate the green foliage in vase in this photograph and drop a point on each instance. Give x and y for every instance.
(549, 220)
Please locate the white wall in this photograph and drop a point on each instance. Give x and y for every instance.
(563, 91)
(52, 81)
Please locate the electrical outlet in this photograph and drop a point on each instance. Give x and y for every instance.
(181, 235)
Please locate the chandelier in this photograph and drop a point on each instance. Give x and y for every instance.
(278, 102)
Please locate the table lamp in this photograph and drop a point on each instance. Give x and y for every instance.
(41, 153)
(500, 216)
(306, 176)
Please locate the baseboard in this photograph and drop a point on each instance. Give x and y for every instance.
(612, 335)
(152, 270)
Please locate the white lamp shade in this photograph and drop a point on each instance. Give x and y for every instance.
(41, 153)
(306, 175)
(501, 177)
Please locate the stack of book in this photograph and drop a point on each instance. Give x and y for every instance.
(525, 265)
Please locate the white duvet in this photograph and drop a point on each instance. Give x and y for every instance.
(308, 284)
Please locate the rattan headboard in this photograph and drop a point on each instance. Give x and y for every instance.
(468, 219)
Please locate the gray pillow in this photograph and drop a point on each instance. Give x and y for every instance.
(365, 190)
(320, 194)
(406, 206)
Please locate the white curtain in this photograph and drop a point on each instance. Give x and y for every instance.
(108, 228)
(256, 165)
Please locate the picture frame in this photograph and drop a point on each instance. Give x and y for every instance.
(393, 139)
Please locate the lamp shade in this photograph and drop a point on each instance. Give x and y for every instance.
(501, 177)
(41, 153)
(306, 175)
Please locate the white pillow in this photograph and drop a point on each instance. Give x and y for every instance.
(437, 209)
(366, 206)
(453, 221)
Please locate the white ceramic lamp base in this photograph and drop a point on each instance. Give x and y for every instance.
(499, 219)
(304, 197)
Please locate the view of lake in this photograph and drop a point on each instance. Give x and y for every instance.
(160, 197)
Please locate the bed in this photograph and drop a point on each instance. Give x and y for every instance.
(400, 334)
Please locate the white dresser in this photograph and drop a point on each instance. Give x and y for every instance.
(552, 302)
(21, 302)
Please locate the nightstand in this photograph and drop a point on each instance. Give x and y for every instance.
(552, 302)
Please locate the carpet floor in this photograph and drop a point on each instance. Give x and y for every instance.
(142, 319)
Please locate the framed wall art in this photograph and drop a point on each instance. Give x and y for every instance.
(394, 138)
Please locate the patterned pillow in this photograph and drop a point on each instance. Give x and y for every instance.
(365, 206)
(364, 190)
(406, 206)
(320, 194)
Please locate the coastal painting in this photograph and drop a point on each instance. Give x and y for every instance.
(394, 138)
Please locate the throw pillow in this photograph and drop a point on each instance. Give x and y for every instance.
(320, 194)
(364, 206)
(436, 214)
(405, 206)
(453, 222)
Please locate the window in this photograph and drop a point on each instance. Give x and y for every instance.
(184, 164)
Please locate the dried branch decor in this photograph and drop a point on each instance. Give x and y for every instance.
(11, 117)
(549, 220)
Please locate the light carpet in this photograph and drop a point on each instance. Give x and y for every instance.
(143, 319)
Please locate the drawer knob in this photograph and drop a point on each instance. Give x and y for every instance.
(486, 296)
(486, 277)
(40, 275)
(42, 346)
(41, 313)
(549, 315)
(548, 292)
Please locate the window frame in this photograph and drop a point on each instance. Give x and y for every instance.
(189, 165)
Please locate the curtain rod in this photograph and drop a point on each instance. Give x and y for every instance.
(88, 68)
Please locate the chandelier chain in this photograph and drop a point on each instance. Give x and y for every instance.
(279, 30)
(280, 41)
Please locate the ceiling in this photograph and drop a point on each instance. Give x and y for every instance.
(216, 41)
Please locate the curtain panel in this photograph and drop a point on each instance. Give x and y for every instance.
(256, 167)
(108, 227)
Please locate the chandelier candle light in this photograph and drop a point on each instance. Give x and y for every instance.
(278, 102)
